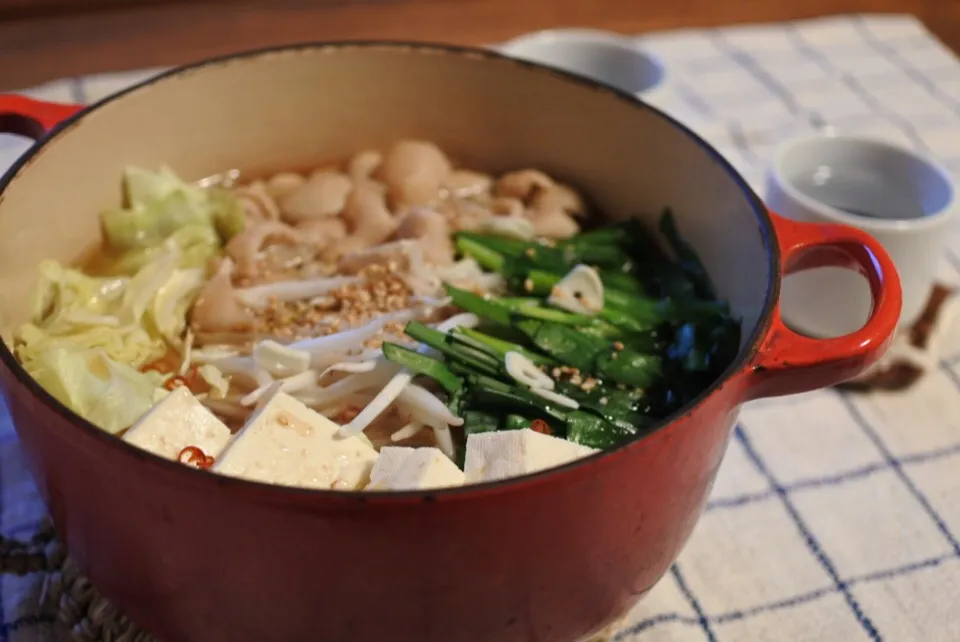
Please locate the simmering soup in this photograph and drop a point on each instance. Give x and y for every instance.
(389, 322)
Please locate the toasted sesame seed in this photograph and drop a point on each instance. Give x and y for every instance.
(379, 293)
(528, 285)
(618, 345)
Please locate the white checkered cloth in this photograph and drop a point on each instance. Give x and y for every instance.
(835, 517)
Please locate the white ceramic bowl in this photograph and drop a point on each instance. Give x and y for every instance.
(603, 56)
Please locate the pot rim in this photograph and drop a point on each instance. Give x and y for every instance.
(262, 491)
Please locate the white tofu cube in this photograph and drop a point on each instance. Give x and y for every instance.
(413, 469)
(388, 461)
(510, 453)
(286, 443)
(176, 422)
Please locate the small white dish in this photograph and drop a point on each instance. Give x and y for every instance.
(600, 55)
(903, 199)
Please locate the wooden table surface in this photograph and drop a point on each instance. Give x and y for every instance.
(39, 44)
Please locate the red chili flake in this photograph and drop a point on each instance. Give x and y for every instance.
(192, 455)
(175, 382)
(192, 380)
(539, 425)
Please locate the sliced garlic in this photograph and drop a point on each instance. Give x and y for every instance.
(526, 372)
(555, 397)
(515, 227)
(280, 360)
(580, 291)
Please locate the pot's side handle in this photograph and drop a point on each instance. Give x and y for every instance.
(787, 362)
(31, 118)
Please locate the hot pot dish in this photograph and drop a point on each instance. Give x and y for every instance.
(369, 341)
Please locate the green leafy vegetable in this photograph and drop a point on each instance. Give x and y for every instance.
(483, 255)
(472, 357)
(423, 365)
(689, 261)
(660, 338)
(109, 394)
(501, 347)
(148, 225)
(79, 312)
(483, 308)
(516, 422)
(161, 208)
(629, 367)
(565, 343)
(87, 336)
(197, 245)
(596, 432)
(515, 400)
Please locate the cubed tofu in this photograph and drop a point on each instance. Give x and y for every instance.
(286, 443)
(414, 469)
(510, 453)
(388, 461)
(176, 422)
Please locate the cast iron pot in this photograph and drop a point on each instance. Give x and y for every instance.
(554, 556)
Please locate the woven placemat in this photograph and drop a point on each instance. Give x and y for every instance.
(68, 595)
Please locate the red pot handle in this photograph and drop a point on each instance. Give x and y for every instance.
(32, 118)
(787, 362)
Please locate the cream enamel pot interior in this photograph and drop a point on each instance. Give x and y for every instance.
(552, 557)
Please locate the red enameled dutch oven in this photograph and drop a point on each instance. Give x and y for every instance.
(552, 557)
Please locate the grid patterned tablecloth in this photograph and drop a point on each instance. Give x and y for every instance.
(835, 517)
